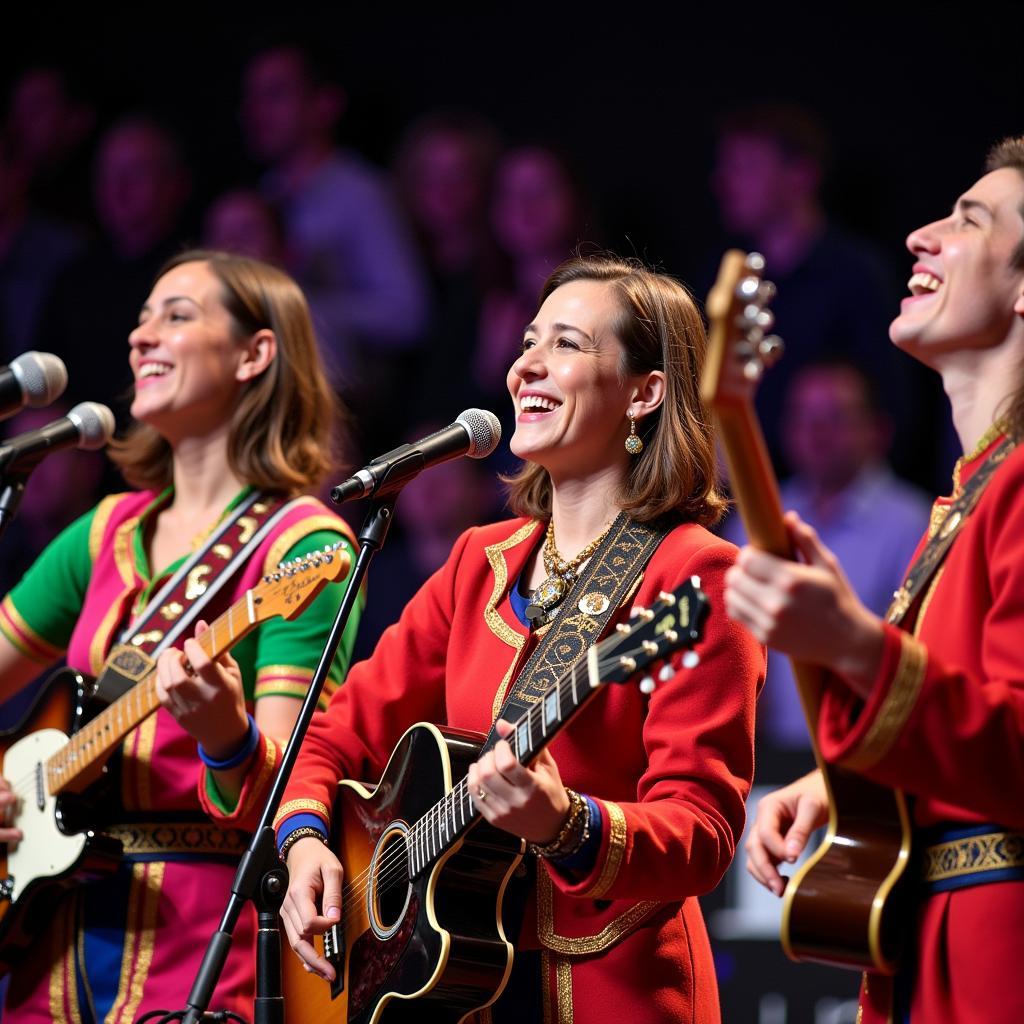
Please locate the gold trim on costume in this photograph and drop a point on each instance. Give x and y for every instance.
(617, 832)
(256, 793)
(288, 538)
(104, 633)
(998, 428)
(122, 551)
(896, 706)
(98, 526)
(545, 987)
(563, 980)
(63, 987)
(569, 946)
(927, 600)
(495, 623)
(302, 805)
(137, 788)
(45, 652)
(179, 837)
(990, 851)
(139, 939)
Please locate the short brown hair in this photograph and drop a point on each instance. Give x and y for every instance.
(1009, 152)
(660, 328)
(281, 430)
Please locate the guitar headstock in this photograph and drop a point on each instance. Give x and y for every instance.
(739, 345)
(294, 584)
(674, 623)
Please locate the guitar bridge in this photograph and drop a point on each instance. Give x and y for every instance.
(334, 954)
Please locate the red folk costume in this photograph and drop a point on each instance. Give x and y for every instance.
(945, 721)
(670, 771)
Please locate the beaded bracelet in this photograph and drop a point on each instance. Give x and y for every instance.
(244, 752)
(574, 832)
(300, 833)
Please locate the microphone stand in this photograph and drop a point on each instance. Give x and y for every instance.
(262, 878)
(12, 489)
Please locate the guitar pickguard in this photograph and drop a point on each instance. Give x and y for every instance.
(46, 851)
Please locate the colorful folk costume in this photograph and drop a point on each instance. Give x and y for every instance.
(945, 722)
(669, 772)
(132, 942)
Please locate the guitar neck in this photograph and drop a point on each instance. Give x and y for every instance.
(451, 816)
(78, 763)
(753, 483)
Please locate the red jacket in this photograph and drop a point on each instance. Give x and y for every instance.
(671, 771)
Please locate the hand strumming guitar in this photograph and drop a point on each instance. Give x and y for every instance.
(313, 901)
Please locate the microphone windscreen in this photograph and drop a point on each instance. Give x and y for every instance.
(43, 377)
(484, 431)
(95, 424)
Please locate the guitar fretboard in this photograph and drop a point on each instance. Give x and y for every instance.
(89, 747)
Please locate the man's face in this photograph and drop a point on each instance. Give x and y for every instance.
(277, 101)
(752, 181)
(829, 431)
(964, 292)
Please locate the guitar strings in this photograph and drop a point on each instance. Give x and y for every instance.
(393, 867)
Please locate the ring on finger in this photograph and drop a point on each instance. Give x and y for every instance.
(481, 793)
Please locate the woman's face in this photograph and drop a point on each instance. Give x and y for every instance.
(189, 365)
(534, 209)
(568, 386)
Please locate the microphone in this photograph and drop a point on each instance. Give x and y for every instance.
(35, 378)
(475, 433)
(88, 425)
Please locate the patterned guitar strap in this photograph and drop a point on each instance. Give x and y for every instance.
(927, 563)
(608, 578)
(181, 600)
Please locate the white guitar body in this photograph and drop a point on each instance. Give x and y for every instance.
(45, 852)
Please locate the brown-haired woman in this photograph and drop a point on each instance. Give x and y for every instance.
(612, 433)
(232, 415)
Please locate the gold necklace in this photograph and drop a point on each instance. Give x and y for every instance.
(562, 573)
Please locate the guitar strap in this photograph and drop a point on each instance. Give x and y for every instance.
(595, 596)
(927, 563)
(190, 590)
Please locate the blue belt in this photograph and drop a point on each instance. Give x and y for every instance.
(955, 858)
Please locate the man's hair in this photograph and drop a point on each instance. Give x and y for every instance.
(1009, 153)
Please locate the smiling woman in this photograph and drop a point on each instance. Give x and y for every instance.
(233, 420)
(635, 808)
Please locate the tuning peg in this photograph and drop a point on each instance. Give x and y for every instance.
(666, 596)
(747, 288)
(622, 628)
(765, 319)
(753, 369)
(755, 262)
(629, 664)
(666, 672)
(765, 292)
(770, 349)
(691, 659)
(647, 685)
(649, 647)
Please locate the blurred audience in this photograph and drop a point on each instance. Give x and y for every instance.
(33, 249)
(241, 221)
(346, 243)
(836, 437)
(141, 186)
(834, 291)
(49, 124)
(443, 169)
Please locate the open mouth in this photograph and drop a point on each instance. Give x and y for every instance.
(537, 404)
(923, 283)
(149, 370)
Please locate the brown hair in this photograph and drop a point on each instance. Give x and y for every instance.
(660, 328)
(280, 436)
(1009, 152)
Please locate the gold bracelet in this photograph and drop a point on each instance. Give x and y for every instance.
(300, 833)
(573, 834)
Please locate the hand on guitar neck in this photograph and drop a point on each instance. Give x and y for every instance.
(783, 825)
(806, 609)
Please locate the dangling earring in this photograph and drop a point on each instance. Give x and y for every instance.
(634, 445)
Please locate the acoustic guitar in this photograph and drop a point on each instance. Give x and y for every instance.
(844, 906)
(420, 937)
(55, 774)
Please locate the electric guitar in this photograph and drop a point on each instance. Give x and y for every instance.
(50, 770)
(844, 906)
(425, 875)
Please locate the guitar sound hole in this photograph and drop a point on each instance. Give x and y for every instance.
(391, 883)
